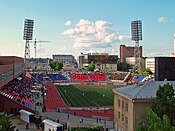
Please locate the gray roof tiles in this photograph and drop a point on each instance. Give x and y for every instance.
(142, 90)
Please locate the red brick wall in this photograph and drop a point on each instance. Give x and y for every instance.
(6, 60)
(6, 65)
(127, 51)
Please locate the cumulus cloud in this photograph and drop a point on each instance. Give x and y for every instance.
(162, 19)
(87, 34)
(68, 23)
(124, 38)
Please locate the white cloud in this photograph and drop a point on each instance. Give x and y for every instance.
(162, 19)
(124, 38)
(68, 23)
(158, 52)
(63, 49)
(91, 35)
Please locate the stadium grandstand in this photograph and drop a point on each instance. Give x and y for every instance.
(15, 87)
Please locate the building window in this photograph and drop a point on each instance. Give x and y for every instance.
(126, 106)
(126, 120)
(118, 115)
(122, 104)
(118, 103)
(122, 117)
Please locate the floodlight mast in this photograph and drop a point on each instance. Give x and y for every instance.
(136, 30)
(28, 33)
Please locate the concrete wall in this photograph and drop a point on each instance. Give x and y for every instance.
(119, 121)
(11, 107)
(140, 110)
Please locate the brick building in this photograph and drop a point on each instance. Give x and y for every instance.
(127, 51)
(11, 67)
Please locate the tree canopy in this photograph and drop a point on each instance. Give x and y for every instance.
(155, 123)
(5, 123)
(91, 67)
(145, 71)
(85, 129)
(56, 65)
(123, 66)
(162, 114)
(165, 102)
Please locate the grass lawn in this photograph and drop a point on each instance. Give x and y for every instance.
(77, 96)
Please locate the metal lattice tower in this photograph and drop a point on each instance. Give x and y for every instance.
(27, 50)
(136, 30)
(28, 33)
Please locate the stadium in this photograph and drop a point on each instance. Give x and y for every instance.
(84, 94)
(76, 93)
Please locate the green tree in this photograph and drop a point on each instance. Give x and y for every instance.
(91, 66)
(155, 123)
(145, 71)
(123, 66)
(85, 129)
(55, 65)
(165, 102)
(5, 123)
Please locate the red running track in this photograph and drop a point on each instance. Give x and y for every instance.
(104, 114)
(53, 98)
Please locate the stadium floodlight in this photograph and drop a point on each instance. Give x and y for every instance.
(136, 32)
(28, 34)
(28, 29)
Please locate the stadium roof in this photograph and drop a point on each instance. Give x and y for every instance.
(142, 91)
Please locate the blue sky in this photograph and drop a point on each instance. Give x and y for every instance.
(75, 26)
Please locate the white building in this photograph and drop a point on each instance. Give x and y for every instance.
(150, 63)
(131, 61)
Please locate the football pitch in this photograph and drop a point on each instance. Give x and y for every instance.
(84, 96)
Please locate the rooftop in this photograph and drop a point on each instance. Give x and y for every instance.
(143, 90)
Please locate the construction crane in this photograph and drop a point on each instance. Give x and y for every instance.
(38, 41)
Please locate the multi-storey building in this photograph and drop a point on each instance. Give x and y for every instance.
(128, 51)
(130, 103)
(10, 68)
(66, 60)
(102, 61)
(38, 63)
(150, 63)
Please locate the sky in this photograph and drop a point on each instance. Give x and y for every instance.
(75, 26)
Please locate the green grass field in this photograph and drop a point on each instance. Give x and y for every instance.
(77, 96)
